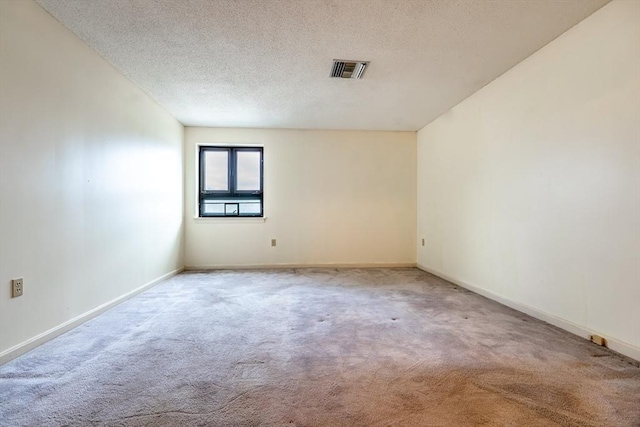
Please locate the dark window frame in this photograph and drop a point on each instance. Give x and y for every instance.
(233, 195)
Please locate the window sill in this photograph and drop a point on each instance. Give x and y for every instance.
(228, 219)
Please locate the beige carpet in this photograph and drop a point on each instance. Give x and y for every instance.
(317, 347)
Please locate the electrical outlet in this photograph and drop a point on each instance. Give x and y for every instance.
(273, 242)
(17, 287)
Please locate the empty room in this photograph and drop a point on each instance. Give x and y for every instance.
(319, 213)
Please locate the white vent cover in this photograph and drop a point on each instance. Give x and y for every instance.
(348, 69)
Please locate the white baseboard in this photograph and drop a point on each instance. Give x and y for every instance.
(316, 265)
(34, 342)
(614, 344)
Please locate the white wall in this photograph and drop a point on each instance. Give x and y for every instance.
(91, 200)
(529, 190)
(330, 197)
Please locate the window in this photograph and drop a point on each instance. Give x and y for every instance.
(230, 181)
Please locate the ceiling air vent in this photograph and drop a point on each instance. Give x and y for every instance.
(348, 69)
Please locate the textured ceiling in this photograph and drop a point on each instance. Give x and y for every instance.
(266, 63)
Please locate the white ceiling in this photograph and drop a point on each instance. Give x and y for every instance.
(266, 63)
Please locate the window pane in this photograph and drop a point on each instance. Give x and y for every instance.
(213, 208)
(250, 207)
(231, 209)
(248, 172)
(216, 177)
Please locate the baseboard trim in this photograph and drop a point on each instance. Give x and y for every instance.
(614, 344)
(40, 339)
(311, 265)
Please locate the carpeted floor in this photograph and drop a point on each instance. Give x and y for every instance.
(317, 347)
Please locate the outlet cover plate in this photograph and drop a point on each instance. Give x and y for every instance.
(17, 287)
